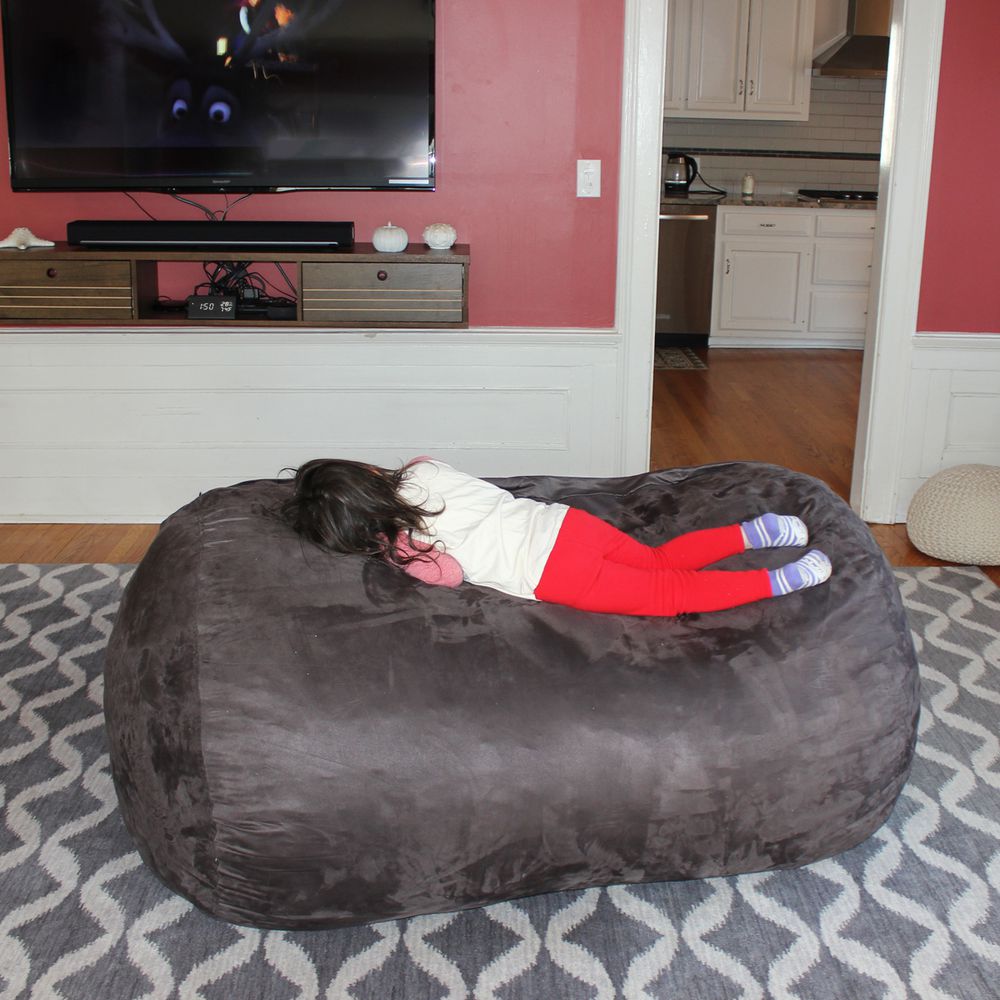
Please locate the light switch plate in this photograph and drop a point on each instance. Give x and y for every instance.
(588, 178)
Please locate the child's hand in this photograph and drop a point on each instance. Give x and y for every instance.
(434, 567)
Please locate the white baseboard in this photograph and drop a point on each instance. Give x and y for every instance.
(113, 426)
(953, 408)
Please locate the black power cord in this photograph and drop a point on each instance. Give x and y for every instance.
(712, 189)
(249, 288)
(234, 279)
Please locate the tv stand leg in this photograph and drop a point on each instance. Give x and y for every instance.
(147, 288)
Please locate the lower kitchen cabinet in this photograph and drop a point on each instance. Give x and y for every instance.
(792, 277)
(761, 285)
(838, 295)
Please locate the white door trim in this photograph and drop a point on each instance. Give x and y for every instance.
(638, 223)
(911, 105)
(904, 184)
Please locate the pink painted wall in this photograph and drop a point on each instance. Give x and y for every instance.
(960, 289)
(524, 89)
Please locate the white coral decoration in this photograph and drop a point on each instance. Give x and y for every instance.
(21, 239)
(440, 236)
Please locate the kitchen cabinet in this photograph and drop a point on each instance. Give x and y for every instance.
(792, 277)
(762, 285)
(747, 59)
(678, 43)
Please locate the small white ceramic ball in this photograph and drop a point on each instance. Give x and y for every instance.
(390, 238)
(440, 236)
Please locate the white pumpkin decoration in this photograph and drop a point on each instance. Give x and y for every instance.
(390, 239)
(440, 236)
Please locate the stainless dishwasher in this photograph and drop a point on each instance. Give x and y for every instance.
(684, 273)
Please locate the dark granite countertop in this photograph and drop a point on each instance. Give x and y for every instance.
(768, 201)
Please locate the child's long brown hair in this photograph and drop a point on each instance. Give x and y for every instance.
(352, 507)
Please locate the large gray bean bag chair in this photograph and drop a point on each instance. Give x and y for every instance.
(302, 740)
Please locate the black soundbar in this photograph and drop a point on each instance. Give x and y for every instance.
(103, 233)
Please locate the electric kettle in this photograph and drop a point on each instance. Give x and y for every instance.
(679, 172)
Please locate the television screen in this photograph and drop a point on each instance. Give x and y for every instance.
(220, 95)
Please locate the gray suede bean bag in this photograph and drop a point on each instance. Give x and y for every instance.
(301, 740)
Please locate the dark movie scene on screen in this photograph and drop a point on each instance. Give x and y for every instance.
(220, 94)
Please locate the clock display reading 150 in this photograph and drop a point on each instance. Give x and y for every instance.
(211, 307)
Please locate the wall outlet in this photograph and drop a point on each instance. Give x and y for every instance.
(588, 178)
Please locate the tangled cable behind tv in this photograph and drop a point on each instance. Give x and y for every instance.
(253, 292)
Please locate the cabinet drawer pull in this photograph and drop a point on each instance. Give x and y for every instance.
(751, 88)
(728, 265)
(382, 275)
(767, 225)
(739, 93)
(52, 272)
(684, 218)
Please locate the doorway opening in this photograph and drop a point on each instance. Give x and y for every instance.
(776, 313)
(904, 179)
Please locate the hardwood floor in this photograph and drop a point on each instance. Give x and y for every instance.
(793, 408)
(74, 543)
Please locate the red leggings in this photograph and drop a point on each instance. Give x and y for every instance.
(595, 567)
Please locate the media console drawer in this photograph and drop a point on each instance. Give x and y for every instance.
(67, 290)
(383, 292)
(351, 288)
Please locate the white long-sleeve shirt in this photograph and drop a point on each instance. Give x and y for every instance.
(500, 541)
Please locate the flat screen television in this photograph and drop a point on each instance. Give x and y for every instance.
(220, 95)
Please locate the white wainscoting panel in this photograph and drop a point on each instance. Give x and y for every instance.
(953, 409)
(129, 426)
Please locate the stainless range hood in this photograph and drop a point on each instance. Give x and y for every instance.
(865, 50)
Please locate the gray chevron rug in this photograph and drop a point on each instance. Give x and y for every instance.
(913, 912)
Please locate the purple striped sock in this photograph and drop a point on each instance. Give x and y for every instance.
(813, 568)
(771, 531)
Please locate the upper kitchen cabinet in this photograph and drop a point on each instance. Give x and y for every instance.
(739, 59)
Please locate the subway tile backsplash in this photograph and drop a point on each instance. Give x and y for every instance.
(845, 118)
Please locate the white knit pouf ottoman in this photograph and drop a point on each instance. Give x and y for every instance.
(955, 515)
